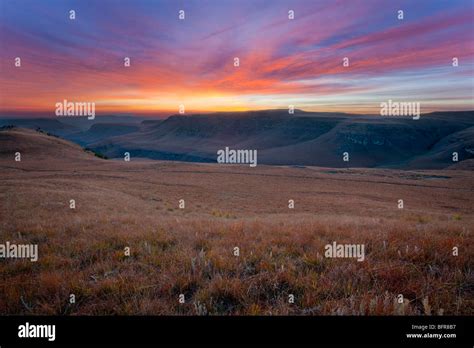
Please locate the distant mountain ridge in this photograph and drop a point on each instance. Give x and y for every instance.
(305, 138)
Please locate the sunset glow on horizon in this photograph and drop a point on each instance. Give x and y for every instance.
(282, 61)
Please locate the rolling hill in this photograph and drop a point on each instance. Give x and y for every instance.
(40, 150)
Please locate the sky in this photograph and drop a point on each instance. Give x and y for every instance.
(190, 62)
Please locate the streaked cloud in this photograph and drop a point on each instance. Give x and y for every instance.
(190, 62)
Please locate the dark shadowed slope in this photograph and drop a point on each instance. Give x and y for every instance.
(101, 131)
(317, 139)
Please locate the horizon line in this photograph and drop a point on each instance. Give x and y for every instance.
(167, 114)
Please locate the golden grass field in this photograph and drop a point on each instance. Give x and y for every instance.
(190, 251)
